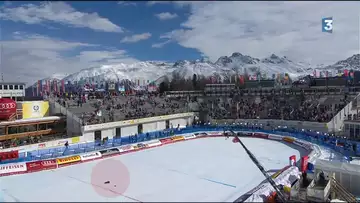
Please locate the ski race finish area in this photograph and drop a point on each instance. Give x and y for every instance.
(208, 169)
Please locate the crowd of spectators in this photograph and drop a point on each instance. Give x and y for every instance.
(93, 110)
(315, 108)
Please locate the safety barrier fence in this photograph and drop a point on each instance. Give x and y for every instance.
(324, 140)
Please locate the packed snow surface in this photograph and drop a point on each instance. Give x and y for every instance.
(211, 169)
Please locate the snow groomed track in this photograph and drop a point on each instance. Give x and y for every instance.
(11, 169)
(59, 163)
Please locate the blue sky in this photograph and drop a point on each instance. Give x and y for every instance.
(42, 39)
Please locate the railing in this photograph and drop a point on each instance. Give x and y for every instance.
(341, 192)
(319, 139)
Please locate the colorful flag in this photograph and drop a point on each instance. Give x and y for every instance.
(63, 86)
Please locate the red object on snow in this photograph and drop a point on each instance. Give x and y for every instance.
(304, 163)
(292, 160)
(235, 140)
(7, 108)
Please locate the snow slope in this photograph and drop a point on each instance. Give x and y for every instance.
(225, 65)
(211, 169)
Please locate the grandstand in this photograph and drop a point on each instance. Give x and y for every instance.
(120, 107)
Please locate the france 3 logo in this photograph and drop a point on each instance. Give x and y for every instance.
(327, 25)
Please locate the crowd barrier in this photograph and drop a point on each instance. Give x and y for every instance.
(346, 147)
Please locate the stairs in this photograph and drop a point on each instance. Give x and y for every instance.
(341, 192)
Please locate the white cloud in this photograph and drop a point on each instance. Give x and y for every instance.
(28, 58)
(176, 3)
(150, 3)
(166, 16)
(161, 44)
(58, 12)
(262, 28)
(136, 38)
(127, 3)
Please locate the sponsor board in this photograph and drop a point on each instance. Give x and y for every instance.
(12, 168)
(260, 135)
(275, 137)
(153, 143)
(140, 146)
(166, 140)
(61, 142)
(42, 145)
(215, 133)
(41, 165)
(89, 156)
(107, 152)
(288, 139)
(126, 148)
(68, 160)
(75, 140)
(13, 154)
(35, 109)
(301, 144)
(200, 134)
(188, 137)
(177, 138)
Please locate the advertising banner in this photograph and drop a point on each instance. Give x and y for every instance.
(9, 155)
(75, 140)
(68, 160)
(126, 148)
(304, 163)
(292, 160)
(107, 152)
(166, 141)
(12, 168)
(177, 138)
(35, 109)
(153, 143)
(275, 137)
(89, 156)
(61, 142)
(188, 137)
(140, 146)
(288, 139)
(213, 133)
(260, 135)
(41, 165)
(205, 134)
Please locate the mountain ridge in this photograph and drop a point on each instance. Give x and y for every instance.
(236, 63)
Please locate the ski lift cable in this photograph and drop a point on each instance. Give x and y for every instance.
(280, 195)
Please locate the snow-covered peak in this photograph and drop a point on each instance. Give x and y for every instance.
(243, 59)
(274, 59)
(352, 62)
(236, 63)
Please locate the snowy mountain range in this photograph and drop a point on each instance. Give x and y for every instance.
(237, 63)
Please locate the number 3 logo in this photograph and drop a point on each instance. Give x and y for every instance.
(328, 25)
